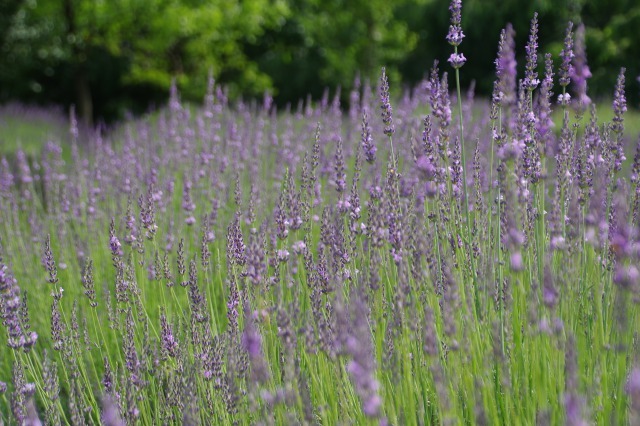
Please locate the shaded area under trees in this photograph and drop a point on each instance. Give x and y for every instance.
(110, 57)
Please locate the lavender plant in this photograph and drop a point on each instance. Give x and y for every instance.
(237, 264)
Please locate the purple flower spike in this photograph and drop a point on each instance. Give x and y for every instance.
(455, 35)
(13, 312)
(169, 342)
(531, 76)
(580, 70)
(385, 104)
(114, 242)
(619, 108)
(355, 339)
(566, 69)
(506, 72)
(367, 141)
(619, 104)
(252, 343)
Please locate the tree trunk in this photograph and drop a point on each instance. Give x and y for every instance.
(84, 99)
(83, 96)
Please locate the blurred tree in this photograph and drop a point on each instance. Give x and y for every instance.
(326, 43)
(112, 56)
(613, 42)
(8, 9)
(142, 44)
(482, 21)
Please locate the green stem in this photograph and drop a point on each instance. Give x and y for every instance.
(466, 195)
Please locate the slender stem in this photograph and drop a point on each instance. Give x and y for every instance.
(464, 187)
(462, 150)
(500, 278)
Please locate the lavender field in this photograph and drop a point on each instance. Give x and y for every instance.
(426, 258)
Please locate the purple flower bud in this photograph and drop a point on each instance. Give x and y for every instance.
(28, 389)
(299, 247)
(516, 261)
(549, 296)
(632, 387)
(457, 60)
(115, 246)
(426, 167)
(371, 407)
(282, 255)
(626, 276)
(564, 99)
(455, 35)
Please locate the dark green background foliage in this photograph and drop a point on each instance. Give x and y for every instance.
(112, 56)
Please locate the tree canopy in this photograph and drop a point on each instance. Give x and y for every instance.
(112, 56)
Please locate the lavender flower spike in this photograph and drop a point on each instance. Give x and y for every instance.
(9, 307)
(580, 70)
(619, 108)
(385, 105)
(455, 35)
(367, 141)
(169, 342)
(619, 104)
(531, 76)
(506, 68)
(252, 343)
(566, 69)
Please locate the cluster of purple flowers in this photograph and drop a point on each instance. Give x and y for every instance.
(354, 280)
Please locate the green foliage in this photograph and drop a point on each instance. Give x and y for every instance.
(91, 53)
(327, 43)
(612, 42)
(29, 129)
(186, 39)
(50, 42)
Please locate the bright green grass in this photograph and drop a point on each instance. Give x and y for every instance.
(29, 132)
(605, 115)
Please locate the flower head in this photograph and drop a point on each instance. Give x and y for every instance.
(457, 60)
(455, 35)
(567, 55)
(531, 76)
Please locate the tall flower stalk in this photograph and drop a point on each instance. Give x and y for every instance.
(331, 293)
(457, 60)
(386, 112)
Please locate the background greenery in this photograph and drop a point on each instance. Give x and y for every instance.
(110, 57)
